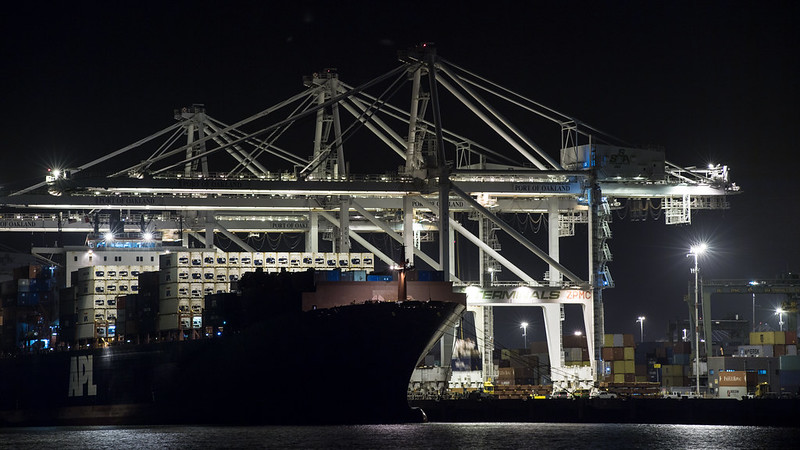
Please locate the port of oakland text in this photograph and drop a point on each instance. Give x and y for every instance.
(548, 188)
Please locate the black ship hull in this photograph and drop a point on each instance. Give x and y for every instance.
(349, 364)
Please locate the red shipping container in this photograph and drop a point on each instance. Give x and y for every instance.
(779, 350)
(608, 353)
(791, 338)
(619, 353)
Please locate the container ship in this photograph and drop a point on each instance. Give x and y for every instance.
(281, 348)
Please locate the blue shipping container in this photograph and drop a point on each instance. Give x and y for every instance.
(379, 278)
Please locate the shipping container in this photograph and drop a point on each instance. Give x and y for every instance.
(619, 353)
(330, 260)
(196, 274)
(233, 259)
(367, 261)
(355, 260)
(791, 350)
(628, 340)
(607, 353)
(222, 259)
(295, 259)
(258, 259)
(756, 350)
(629, 354)
(196, 259)
(221, 274)
(736, 378)
(789, 362)
(209, 259)
(618, 367)
(732, 392)
(307, 260)
(343, 260)
(245, 259)
(85, 331)
(767, 338)
(608, 340)
(233, 273)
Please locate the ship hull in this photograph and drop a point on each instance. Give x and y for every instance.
(348, 364)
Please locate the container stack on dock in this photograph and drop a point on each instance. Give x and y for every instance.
(618, 355)
(770, 343)
(28, 304)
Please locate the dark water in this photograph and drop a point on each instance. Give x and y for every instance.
(432, 435)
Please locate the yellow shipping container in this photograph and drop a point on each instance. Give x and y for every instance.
(641, 379)
(608, 340)
(672, 370)
(630, 367)
(618, 367)
(629, 353)
(619, 378)
(768, 338)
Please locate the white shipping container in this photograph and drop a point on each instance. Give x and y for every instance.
(196, 259)
(196, 307)
(208, 274)
(111, 272)
(197, 322)
(150, 268)
(343, 260)
(233, 259)
(756, 350)
(330, 260)
(219, 288)
(283, 259)
(295, 259)
(135, 271)
(196, 290)
(307, 260)
(208, 289)
(271, 260)
(222, 259)
(124, 272)
(245, 259)
(233, 273)
(111, 286)
(791, 350)
(221, 274)
(258, 259)
(367, 261)
(733, 392)
(209, 259)
(111, 314)
(319, 260)
(196, 274)
(123, 287)
(355, 260)
(618, 341)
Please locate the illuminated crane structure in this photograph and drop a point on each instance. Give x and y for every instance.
(201, 180)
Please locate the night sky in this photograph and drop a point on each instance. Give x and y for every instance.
(710, 83)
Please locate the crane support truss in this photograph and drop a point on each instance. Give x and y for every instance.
(252, 176)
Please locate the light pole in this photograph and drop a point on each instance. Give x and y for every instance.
(779, 312)
(641, 327)
(694, 251)
(524, 326)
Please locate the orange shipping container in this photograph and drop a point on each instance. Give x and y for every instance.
(738, 378)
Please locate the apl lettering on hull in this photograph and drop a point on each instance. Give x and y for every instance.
(80, 375)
